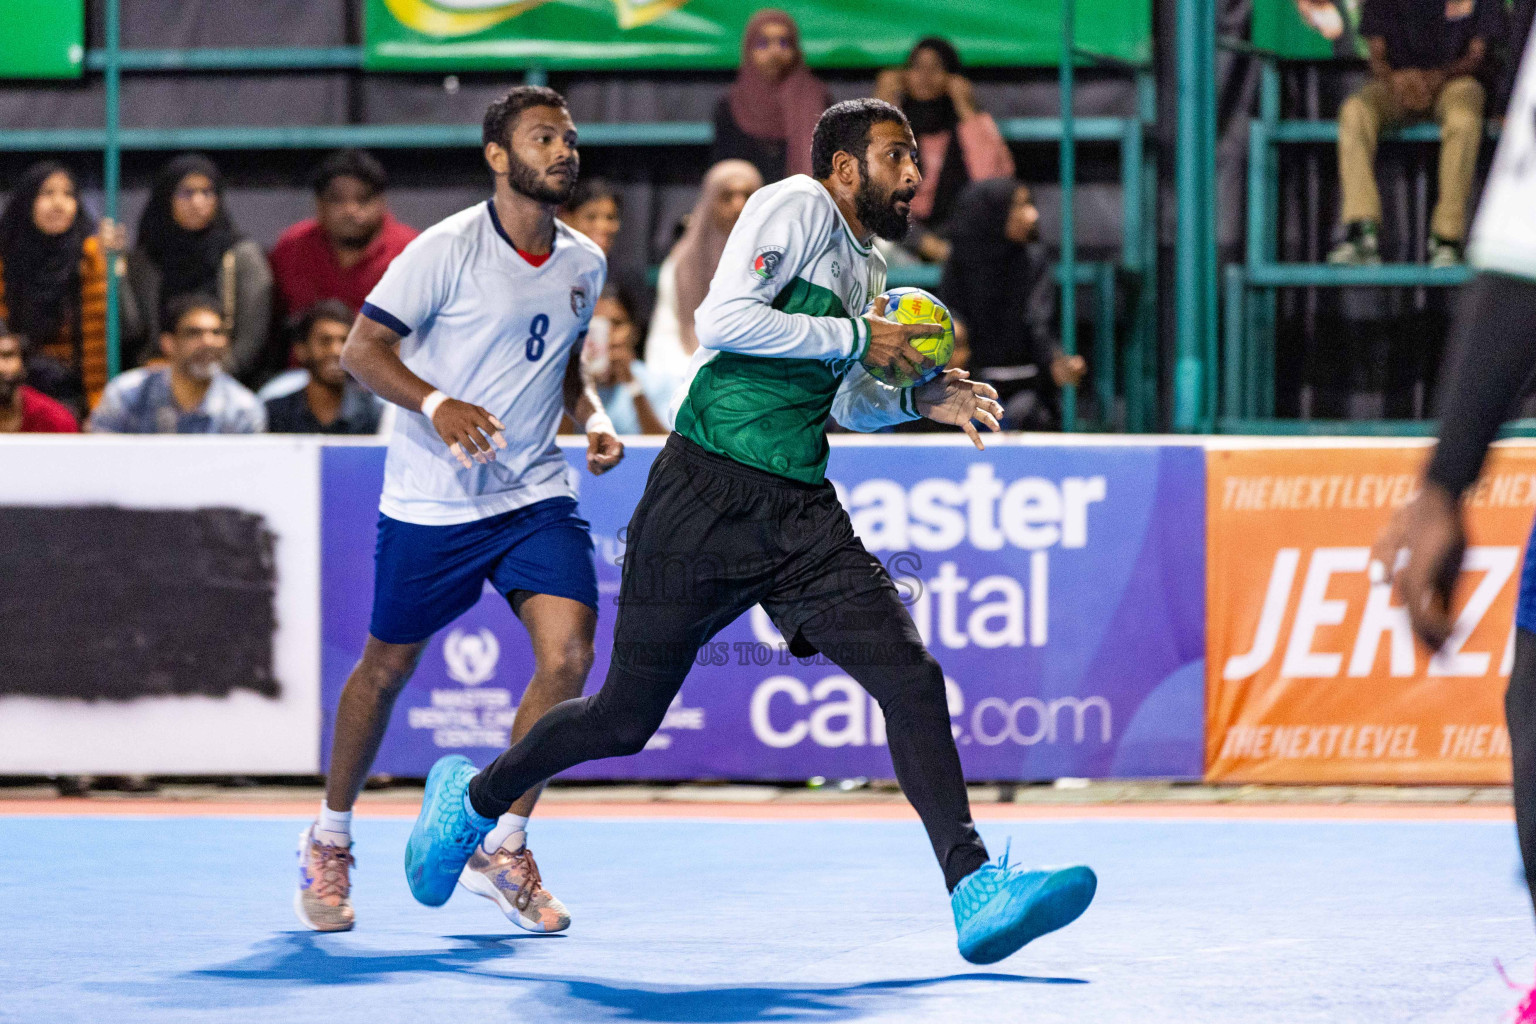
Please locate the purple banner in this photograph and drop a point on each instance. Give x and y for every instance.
(1061, 587)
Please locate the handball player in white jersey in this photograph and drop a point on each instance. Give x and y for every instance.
(475, 332)
(1490, 363)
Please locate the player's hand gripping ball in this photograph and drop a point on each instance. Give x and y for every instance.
(915, 306)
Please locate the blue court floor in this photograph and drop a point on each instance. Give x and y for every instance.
(121, 921)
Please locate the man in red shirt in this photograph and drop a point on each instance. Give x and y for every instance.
(342, 251)
(22, 409)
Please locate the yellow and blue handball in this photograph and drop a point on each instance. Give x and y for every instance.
(915, 306)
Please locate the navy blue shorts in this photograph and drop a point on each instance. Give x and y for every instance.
(427, 576)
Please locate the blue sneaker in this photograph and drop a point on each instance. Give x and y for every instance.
(998, 908)
(445, 833)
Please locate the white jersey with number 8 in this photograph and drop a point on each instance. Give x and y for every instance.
(484, 325)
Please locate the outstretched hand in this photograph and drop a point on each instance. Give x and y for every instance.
(954, 398)
(1427, 537)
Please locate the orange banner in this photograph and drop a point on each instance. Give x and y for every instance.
(1312, 674)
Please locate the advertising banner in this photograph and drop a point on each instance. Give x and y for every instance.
(1060, 587)
(42, 40)
(1309, 29)
(1314, 675)
(161, 606)
(458, 35)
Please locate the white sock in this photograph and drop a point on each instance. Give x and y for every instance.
(334, 827)
(511, 831)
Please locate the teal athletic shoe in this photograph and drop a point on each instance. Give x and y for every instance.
(445, 833)
(998, 909)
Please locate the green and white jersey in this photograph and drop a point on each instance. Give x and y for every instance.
(1504, 234)
(780, 337)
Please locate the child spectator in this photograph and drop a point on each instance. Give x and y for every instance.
(770, 113)
(25, 410)
(188, 244)
(634, 398)
(957, 142)
(53, 283)
(191, 394)
(999, 287)
(330, 402)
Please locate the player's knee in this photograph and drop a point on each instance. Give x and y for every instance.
(919, 690)
(628, 734)
(567, 664)
(383, 675)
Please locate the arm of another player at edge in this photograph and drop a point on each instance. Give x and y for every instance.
(604, 449)
(1492, 357)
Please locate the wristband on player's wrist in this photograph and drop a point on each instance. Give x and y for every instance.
(430, 404)
(599, 422)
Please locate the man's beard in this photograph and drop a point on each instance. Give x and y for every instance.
(878, 212)
(524, 179)
(8, 388)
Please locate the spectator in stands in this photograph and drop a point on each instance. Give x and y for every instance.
(594, 210)
(342, 251)
(770, 113)
(1424, 60)
(330, 402)
(999, 288)
(53, 283)
(957, 142)
(690, 266)
(25, 410)
(635, 399)
(190, 393)
(188, 244)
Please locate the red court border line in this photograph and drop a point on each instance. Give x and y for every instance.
(99, 808)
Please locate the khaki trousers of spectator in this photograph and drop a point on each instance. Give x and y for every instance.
(1458, 109)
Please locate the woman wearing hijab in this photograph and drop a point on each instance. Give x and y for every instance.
(188, 245)
(957, 142)
(1000, 290)
(53, 284)
(770, 113)
(690, 266)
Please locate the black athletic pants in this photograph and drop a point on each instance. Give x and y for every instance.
(710, 538)
(1520, 714)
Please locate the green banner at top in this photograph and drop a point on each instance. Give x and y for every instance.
(42, 38)
(1308, 29)
(467, 35)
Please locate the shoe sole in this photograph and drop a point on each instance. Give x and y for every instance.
(1057, 903)
(298, 897)
(478, 884)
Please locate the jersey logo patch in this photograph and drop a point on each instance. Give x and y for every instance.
(766, 263)
(579, 300)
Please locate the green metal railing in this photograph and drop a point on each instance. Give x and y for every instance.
(1247, 388)
(1135, 363)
